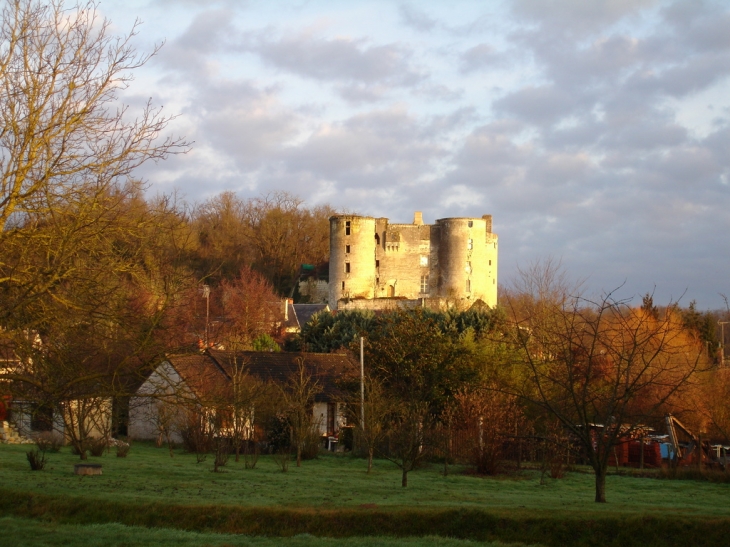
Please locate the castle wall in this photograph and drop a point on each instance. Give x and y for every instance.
(453, 259)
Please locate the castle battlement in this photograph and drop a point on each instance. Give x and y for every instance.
(454, 259)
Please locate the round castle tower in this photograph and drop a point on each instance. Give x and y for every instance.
(352, 258)
(467, 257)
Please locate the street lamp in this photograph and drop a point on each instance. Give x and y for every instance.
(722, 338)
(206, 295)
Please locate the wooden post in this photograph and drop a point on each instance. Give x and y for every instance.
(641, 456)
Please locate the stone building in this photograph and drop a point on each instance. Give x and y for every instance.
(374, 262)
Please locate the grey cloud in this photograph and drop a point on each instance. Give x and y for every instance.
(338, 59)
(478, 57)
(365, 147)
(190, 52)
(543, 104)
(577, 17)
(416, 18)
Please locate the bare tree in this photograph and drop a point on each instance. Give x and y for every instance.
(68, 146)
(298, 399)
(599, 366)
(370, 427)
(408, 433)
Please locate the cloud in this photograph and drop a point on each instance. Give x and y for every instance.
(478, 57)
(417, 19)
(192, 51)
(338, 59)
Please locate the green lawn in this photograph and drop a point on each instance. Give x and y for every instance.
(149, 474)
(333, 496)
(30, 533)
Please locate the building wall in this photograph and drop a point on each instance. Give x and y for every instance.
(453, 260)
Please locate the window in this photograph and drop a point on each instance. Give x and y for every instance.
(41, 418)
(377, 263)
(424, 283)
(490, 262)
(424, 260)
(347, 248)
(468, 285)
(377, 239)
(347, 227)
(471, 223)
(347, 267)
(470, 244)
(343, 285)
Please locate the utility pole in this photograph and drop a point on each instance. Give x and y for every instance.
(722, 339)
(362, 384)
(206, 295)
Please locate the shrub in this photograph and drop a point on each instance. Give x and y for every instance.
(36, 459)
(97, 446)
(250, 454)
(222, 451)
(123, 449)
(312, 444)
(279, 434)
(694, 474)
(197, 436)
(49, 442)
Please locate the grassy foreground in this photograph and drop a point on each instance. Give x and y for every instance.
(334, 497)
(18, 532)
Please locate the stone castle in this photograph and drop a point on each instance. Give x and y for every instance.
(374, 262)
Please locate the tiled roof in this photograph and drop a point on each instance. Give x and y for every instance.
(203, 376)
(325, 368)
(305, 312)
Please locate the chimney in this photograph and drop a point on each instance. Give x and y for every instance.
(286, 309)
(488, 220)
(418, 218)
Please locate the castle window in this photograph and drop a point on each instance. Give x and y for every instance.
(424, 283)
(377, 263)
(424, 260)
(343, 285)
(347, 227)
(490, 262)
(468, 285)
(347, 248)
(347, 267)
(470, 244)
(377, 239)
(471, 223)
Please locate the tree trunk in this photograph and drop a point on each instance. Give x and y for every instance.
(299, 455)
(600, 485)
(370, 459)
(404, 480)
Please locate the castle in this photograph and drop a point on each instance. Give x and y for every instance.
(374, 262)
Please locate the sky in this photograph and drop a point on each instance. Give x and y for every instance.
(596, 133)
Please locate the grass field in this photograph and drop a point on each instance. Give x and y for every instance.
(333, 496)
(31, 533)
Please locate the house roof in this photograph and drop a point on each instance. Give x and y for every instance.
(202, 376)
(305, 312)
(209, 374)
(325, 368)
